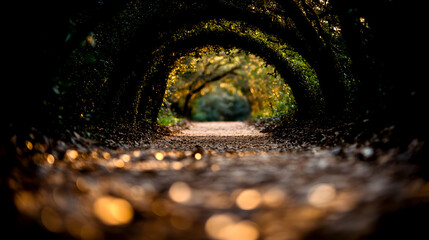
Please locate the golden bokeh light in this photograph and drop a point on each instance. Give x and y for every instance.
(244, 230)
(119, 163)
(29, 145)
(27, 203)
(159, 156)
(274, 197)
(106, 155)
(52, 220)
(216, 225)
(228, 227)
(249, 199)
(125, 157)
(50, 159)
(82, 184)
(180, 192)
(137, 153)
(94, 154)
(176, 165)
(113, 211)
(72, 154)
(198, 156)
(321, 195)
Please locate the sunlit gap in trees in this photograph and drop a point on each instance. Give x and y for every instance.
(216, 84)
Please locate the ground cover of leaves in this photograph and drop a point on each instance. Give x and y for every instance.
(218, 180)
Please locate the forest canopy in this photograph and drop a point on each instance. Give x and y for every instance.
(113, 61)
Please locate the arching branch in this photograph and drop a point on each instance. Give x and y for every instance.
(228, 40)
(305, 41)
(193, 90)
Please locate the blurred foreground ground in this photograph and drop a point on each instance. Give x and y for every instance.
(221, 180)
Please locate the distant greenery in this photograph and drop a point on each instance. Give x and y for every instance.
(224, 103)
(227, 84)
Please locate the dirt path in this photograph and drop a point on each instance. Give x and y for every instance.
(220, 137)
(220, 129)
(212, 181)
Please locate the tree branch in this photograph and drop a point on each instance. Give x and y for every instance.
(189, 96)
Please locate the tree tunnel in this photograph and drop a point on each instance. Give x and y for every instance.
(124, 49)
(83, 156)
(148, 40)
(303, 96)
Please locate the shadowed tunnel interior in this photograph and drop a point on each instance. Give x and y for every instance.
(89, 80)
(121, 53)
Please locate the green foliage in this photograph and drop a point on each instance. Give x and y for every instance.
(253, 85)
(167, 118)
(221, 104)
(83, 84)
(90, 57)
(137, 45)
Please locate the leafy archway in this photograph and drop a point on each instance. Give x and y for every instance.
(330, 35)
(154, 39)
(102, 64)
(247, 83)
(294, 78)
